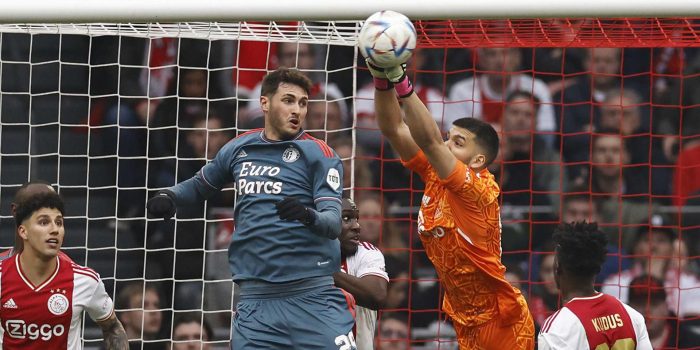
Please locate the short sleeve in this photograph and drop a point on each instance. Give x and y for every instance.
(372, 263)
(419, 164)
(562, 331)
(100, 307)
(328, 178)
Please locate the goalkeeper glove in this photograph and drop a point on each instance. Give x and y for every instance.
(397, 76)
(291, 208)
(386, 78)
(162, 205)
(381, 82)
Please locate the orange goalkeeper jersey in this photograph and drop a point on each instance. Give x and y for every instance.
(460, 227)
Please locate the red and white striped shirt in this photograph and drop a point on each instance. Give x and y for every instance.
(597, 322)
(49, 315)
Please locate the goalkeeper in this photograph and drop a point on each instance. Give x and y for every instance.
(459, 219)
(284, 251)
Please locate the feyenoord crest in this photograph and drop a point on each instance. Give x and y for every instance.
(58, 304)
(290, 155)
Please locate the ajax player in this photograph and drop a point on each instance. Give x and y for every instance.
(43, 294)
(287, 214)
(363, 275)
(589, 319)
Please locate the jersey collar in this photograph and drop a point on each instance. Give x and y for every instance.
(265, 139)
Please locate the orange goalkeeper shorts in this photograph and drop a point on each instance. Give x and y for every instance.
(493, 336)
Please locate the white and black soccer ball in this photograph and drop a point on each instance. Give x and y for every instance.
(387, 39)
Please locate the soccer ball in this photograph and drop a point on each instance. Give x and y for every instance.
(387, 39)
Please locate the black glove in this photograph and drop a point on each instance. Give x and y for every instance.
(162, 205)
(291, 209)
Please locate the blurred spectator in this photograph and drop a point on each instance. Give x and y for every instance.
(658, 252)
(306, 58)
(647, 295)
(191, 332)
(482, 96)
(185, 101)
(356, 172)
(393, 333)
(378, 227)
(622, 111)
(200, 141)
(621, 195)
(327, 117)
(530, 167)
(544, 300)
(138, 307)
(580, 101)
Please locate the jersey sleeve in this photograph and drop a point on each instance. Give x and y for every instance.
(372, 264)
(640, 328)
(327, 175)
(210, 179)
(470, 187)
(562, 331)
(100, 306)
(418, 164)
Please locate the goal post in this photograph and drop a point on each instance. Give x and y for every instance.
(112, 100)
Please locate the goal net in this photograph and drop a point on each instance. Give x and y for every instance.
(596, 117)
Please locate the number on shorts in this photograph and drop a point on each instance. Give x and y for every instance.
(620, 344)
(346, 342)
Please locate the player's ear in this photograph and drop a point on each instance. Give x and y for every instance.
(264, 103)
(478, 161)
(22, 231)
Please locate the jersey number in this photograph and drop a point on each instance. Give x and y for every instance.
(346, 342)
(620, 344)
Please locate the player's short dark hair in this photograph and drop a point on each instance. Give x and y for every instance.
(580, 248)
(485, 138)
(27, 206)
(284, 75)
(196, 317)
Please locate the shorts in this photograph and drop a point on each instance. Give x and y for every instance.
(493, 336)
(317, 320)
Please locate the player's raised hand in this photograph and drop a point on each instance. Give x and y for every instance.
(291, 209)
(162, 205)
(376, 72)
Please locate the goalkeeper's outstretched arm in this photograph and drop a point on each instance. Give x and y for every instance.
(419, 126)
(389, 117)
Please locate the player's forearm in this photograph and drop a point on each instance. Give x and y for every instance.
(424, 130)
(114, 335)
(369, 291)
(388, 112)
(327, 222)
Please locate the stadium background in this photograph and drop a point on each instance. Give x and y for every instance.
(109, 119)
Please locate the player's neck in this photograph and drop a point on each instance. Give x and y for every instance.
(577, 289)
(35, 268)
